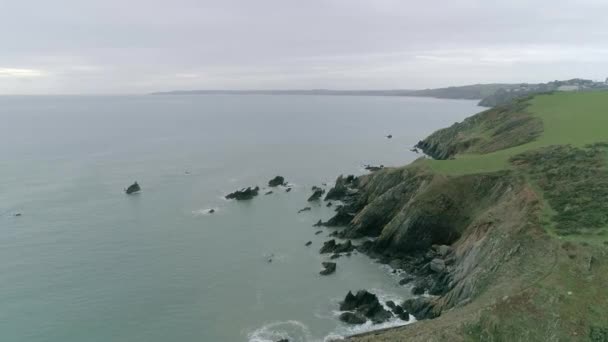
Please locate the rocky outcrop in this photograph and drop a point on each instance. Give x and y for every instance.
(316, 194)
(304, 209)
(332, 247)
(133, 188)
(373, 168)
(342, 188)
(352, 318)
(328, 268)
(244, 194)
(365, 304)
(276, 181)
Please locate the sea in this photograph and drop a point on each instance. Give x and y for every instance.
(82, 261)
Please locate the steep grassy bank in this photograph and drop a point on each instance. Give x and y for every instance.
(519, 196)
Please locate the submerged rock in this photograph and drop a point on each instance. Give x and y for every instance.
(288, 190)
(318, 232)
(133, 188)
(389, 136)
(276, 181)
(308, 243)
(268, 193)
(316, 194)
(329, 268)
(318, 224)
(244, 194)
(211, 211)
(304, 209)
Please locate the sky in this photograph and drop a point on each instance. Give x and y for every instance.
(137, 46)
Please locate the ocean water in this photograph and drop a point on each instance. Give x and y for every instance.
(85, 262)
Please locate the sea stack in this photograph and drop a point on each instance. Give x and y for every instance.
(133, 188)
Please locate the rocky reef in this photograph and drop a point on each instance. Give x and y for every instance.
(133, 188)
(244, 194)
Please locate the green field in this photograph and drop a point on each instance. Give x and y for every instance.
(568, 118)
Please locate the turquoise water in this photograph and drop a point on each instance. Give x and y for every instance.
(85, 262)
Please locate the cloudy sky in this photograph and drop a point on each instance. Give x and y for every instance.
(139, 46)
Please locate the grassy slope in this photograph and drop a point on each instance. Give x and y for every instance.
(568, 118)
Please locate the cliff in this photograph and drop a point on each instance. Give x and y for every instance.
(518, 253)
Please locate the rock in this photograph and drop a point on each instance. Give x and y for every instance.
(268, 192)
(329, 204)
(244, 194)
(283, 340)
(17, 214)
(329, 268)
(318, 224)
(414, 149)
(437, 265)
(304, 209)
(391, 304)
(332, 247)
(421, 308)
(334, 256)
(133, 188)
(211, 211)
(276, 181)
(316, 194)
(352, 318)
(390, 136)
(318, 232)
(338, 192)
(366, 304)
(402, 314)
(288, 190)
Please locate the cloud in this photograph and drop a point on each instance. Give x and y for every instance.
(21, 73)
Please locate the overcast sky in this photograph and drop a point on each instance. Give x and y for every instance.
(137, 46)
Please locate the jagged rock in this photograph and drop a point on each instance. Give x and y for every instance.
(329, 204)
(244, 194)
(342, 218)
(421, 308)
(332, 247)
(437, 265)
(318, 232)
(352, 318)
(304, 209)
(308, 243)
(391, 304)
(318, 224)
(276, 181)
(334, 256)
(288, 190)
(329, 268)
(316, 194)
(133, 188)
(366, 304)
(338, 192)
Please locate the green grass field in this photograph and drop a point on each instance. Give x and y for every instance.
(568, 118)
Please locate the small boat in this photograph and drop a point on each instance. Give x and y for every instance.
(133, 188)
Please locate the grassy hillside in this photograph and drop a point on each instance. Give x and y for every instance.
(523, 190)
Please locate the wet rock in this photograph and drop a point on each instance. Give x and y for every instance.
(283, 340)
(373, 168)
(244, 194)
(318, 224)
(406, 280)
(334, 256)
(329, 204)
(339, 191)
(352, 318)
(316, 194)
(329, 268)
(304, 209)
(133, 188)
(367, 304)
(391, 304)
(390, 136)
(308, 243)
(211, 211)
(288, 190)
(268, 193)
(318, 232)
(276, 181)
(17, 215)
(402, 314)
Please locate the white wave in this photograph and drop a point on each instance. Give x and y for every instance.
(292, 330)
